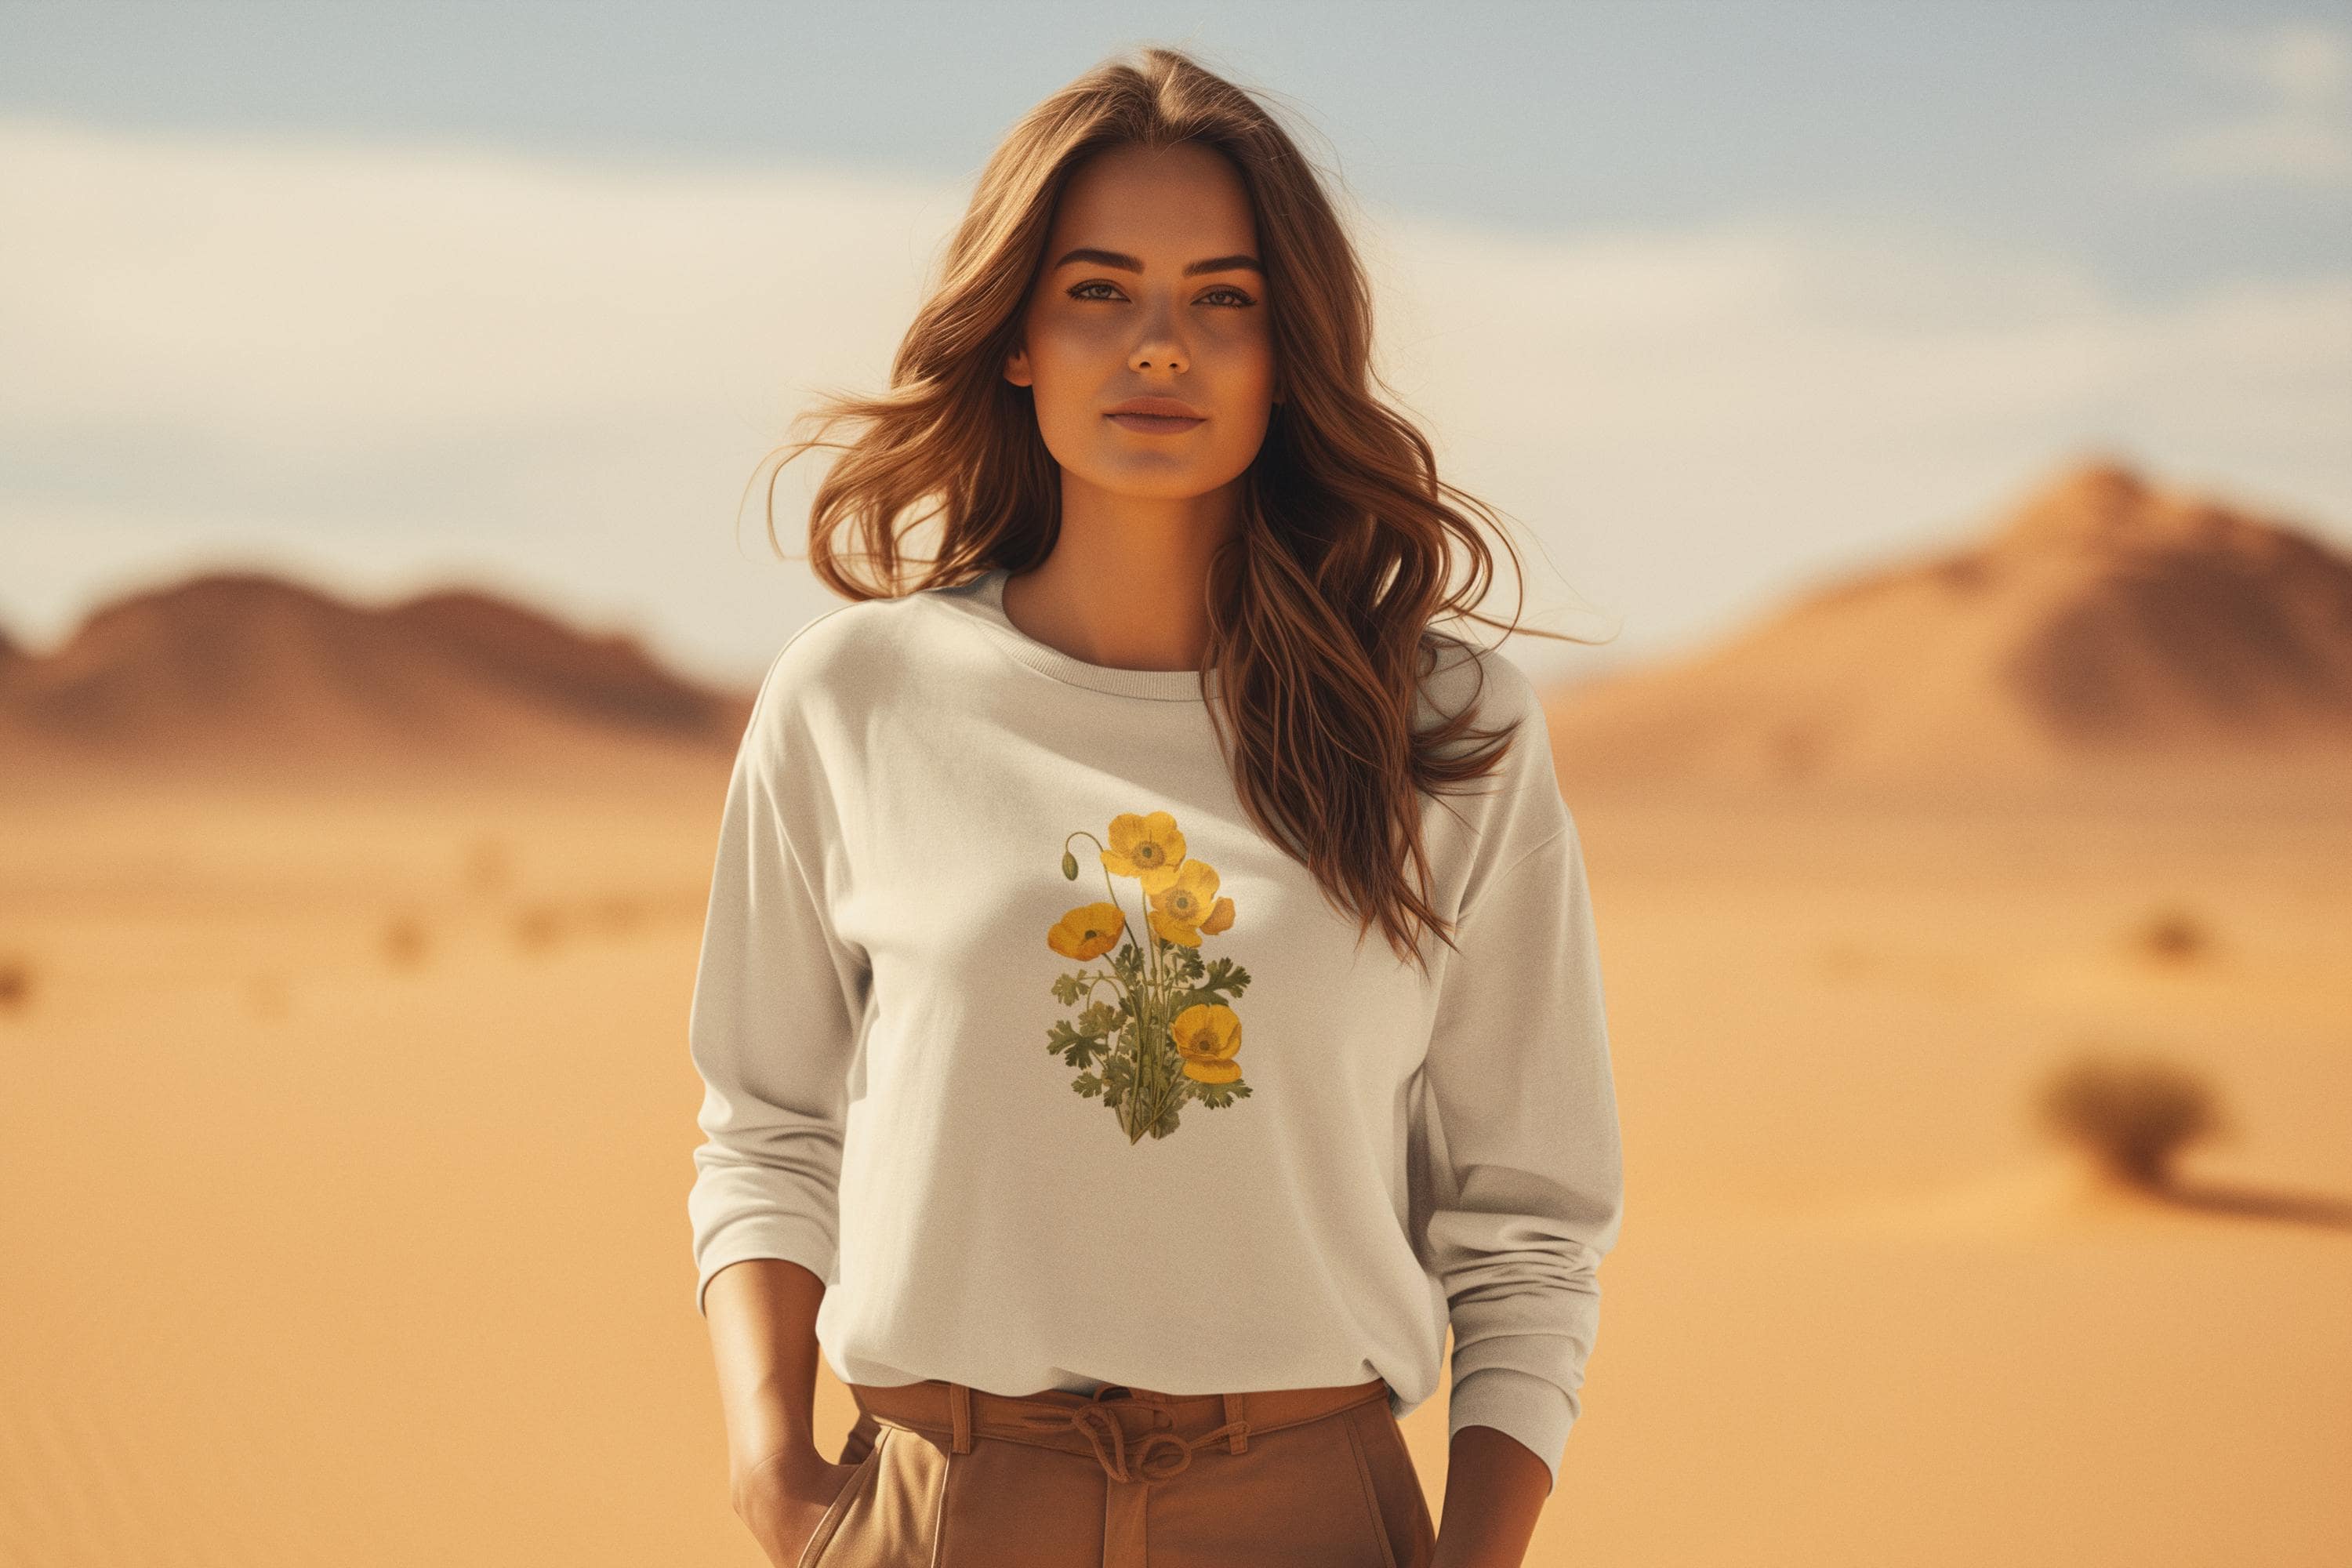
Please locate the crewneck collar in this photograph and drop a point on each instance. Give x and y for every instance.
(985, 597)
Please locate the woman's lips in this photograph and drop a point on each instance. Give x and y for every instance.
(1154, 423)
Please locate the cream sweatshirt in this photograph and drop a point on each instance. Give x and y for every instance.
(1017, 1032)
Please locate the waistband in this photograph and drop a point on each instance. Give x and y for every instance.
(1139, 1435)
(1166, 1427)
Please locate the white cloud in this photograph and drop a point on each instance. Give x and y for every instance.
(2300, 132)
(388, 364)
(1693, 420)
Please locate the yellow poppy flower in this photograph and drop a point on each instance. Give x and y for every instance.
(1220, 919)
(1186, 894)
(1176, 932)
(1207, 1035)
(1087, 932)
(1142, 844)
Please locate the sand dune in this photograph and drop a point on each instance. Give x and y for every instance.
(2106, 630)
(245, 676)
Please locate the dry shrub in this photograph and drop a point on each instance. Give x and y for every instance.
(2175, 936)
(2132, 1115)
(538, 926)
(404, 940)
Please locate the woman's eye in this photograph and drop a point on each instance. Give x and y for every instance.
(1233, 295)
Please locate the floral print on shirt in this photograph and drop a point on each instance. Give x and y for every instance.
(1155, 1030)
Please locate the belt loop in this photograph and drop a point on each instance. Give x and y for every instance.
(1239, 1442)
(959, 1415)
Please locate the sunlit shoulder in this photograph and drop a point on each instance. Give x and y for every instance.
(839, 653)
(1466, 674)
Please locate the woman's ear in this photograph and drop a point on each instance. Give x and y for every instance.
(1017, 368)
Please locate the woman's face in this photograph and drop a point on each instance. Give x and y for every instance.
(1150, 289)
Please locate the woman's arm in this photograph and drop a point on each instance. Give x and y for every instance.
(1494, 1491)
(778, 998)
(1520, 1140)
(762, 1318)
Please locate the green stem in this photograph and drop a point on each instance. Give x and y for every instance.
(1136, 1005)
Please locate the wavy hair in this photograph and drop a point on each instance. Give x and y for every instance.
(1320, 607)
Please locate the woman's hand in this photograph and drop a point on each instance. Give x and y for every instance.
(1496, 1487)
(784, 1497)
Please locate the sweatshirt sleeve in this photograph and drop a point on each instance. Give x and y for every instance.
(778, 1001)
(1526, 1169)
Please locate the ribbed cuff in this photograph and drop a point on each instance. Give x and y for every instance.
(788, 1236)
(1517, 1403)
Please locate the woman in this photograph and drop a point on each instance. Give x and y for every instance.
(1052, 1083)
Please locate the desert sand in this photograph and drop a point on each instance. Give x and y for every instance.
(343, 1160)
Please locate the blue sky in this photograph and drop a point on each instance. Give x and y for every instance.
(2016, 118)
(1624, 241)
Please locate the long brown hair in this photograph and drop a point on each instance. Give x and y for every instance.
(1320, 607)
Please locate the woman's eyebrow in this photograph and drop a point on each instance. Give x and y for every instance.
(1127, 263)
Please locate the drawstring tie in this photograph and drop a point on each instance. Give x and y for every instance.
(1096, 1423)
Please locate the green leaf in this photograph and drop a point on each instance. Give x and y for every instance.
(1218, 1096)
(1224, 975)
(1078, 1049)
(1118, 1082)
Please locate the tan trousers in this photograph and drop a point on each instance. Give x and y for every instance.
(949, 1477)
